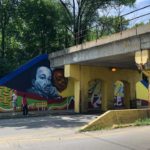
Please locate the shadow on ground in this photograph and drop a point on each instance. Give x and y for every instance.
(53, 121)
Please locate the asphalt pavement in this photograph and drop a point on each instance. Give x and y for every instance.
(11, 114)
(61, 132)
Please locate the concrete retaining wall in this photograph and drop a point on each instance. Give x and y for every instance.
(112, 117)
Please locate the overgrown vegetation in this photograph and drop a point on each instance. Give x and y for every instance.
(139, 122)
(142, 122)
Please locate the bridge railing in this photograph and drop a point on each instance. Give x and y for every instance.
(123, 22)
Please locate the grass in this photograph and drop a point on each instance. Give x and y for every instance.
(115, 126)
(94, 128)
(139, 122)
(142, 122)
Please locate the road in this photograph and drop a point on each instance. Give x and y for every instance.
(61, 133)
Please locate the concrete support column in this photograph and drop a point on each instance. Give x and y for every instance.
(127, 94)
(73, 71)
(104, 97)
(149, 91)
(77, 96)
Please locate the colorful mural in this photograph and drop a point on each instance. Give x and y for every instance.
(142, 94)
(118, 94)
(5, 99)
(44, 87)
(94, 94)
(66, 103)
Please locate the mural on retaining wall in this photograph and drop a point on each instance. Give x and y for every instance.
(118, 94)
(142, 94)
(94, 94)
(65, 103)
(44, 87)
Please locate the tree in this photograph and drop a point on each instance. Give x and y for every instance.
(7, 11)
(29, 28)
(111, 24)
(41, 29)
(82, 14)
(7, 15)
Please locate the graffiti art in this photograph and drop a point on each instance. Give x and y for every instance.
(118, 94)
(95, 94)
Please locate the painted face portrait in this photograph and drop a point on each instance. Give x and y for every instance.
(59, 80)
(43, 79)
(42, 84)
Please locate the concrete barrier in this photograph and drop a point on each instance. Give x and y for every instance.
(112, 117)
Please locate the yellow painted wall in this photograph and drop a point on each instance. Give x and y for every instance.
(73, 73)
(108, 77)
(88, 73)
(69, 91)
(142, 91)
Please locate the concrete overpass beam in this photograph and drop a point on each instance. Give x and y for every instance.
(72, 71)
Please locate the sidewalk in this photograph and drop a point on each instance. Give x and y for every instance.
(10, 115)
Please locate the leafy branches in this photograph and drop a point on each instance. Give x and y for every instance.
(84, 13)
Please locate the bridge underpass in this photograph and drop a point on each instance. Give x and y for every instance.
(92, 62)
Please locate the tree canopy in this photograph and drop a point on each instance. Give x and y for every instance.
(84, 13)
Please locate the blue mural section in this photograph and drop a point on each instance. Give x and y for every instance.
(21, 78)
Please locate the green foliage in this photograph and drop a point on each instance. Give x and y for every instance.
(142, 122)
(138, 24)
(5, 66)
(83, 13)
(42, 28)
(29, 28)
(111, 24)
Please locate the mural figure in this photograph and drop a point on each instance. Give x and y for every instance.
(118, 94)
(14, 100)
(24, 105)
(60, 82)
(42, 84)
(94, 93)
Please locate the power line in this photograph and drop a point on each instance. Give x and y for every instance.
(135, 10)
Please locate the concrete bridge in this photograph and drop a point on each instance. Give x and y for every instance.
(115, 50)
(93, 60)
